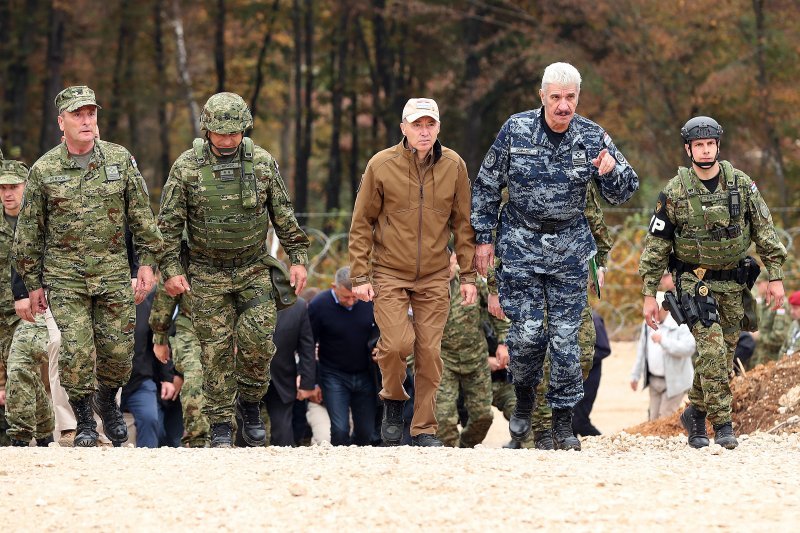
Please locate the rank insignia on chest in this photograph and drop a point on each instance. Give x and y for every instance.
(112, 173)
(227, 175)
(702, 290)
(579, 158)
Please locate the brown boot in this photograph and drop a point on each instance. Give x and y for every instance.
(67, 438)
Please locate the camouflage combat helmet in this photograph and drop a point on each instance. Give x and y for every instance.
(701, 128)
(12, 172)
(226, 113)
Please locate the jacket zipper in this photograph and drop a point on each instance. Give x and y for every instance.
(419, 235)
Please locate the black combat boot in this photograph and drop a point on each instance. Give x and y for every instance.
(44, 442)
(86, 432)
(105, 405)
(513, 445)
(248, 417)
(543, 440)
(427, 440)
(563, 437)
(519, 425)
(723, 435)
(392, 424)
(694, 422)
(19, 443)
(221, 435)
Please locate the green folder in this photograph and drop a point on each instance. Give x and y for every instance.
(593, 273)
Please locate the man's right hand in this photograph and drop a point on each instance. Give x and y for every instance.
(364, 292)
(23, 310)
(494, 307)
(650, 311)
(38, 301)
(176, 285)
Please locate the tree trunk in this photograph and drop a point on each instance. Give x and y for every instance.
(50, 133)
(262, 53)
(338, 78)
(219, 45)
(355, 147)
(472, 136)
(772, 151)
(115, 105)
(161, 106)
(183, 68)
(19, 79)
(300, 169)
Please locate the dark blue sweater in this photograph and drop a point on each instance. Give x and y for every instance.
(342, 335)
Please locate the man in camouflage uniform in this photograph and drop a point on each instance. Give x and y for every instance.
(12, 185)
(70, 239)
(28, 408)
(704, 221)
(225, 191)
(465, 366)
(545, 158)
(773, 326)
(542, 414)
(186, 355)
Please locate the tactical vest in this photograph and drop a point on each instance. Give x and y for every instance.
(229, 216)
(717, 232)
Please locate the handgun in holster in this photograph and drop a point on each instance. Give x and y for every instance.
(671, 304)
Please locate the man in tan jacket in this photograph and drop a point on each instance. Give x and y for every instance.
(412, 197)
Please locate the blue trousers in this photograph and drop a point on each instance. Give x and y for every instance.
(143, 405)
(561, 296)
(344, 393)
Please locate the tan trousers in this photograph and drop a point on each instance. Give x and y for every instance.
(65, 418)
(660, 404)
(429, 300)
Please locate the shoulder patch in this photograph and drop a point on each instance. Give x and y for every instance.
(753, 187)
(660, 224)
(490, 159)
(606, 138)
(133, 163)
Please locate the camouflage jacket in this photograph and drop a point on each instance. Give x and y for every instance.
(671, 217)
(71, 228)
(182, 193)
(163, 314)
(464, 347)
(548, 184)
(791, 345)
(7, 315)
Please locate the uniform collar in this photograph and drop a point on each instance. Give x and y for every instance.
(95, 161)
(409, 152)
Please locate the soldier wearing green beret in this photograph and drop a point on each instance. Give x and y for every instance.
(70, 241)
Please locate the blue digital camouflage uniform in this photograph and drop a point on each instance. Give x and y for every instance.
(543, 239)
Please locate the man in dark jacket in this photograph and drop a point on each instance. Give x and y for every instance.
(293, 359)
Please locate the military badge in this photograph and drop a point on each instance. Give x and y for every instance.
(579, 157)
(620, 158)
(112, 173)
(133, 163)
(658, 206)
(700, 272)
(490, 159)
(702, 290)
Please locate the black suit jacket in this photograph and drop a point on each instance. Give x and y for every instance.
(293, 334)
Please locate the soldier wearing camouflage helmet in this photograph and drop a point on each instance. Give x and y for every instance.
(225, 191)
(70, 240)
(703, 224)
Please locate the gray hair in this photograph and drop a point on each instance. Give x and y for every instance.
(342, 278)
(561, 74)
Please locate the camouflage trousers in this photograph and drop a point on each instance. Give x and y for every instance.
(503, 398)
(587, 336)
(28, 408)
(89, 323)
(7, 327)
(477, 389)
(233, 307)
(716, 344)
(186, 355)
(545, 312)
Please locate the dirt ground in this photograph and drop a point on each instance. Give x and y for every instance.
(619, 482)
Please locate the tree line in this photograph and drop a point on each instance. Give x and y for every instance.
(326, 80)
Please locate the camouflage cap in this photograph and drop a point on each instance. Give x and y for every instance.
(226, 113)
(75, 97)
(12, 172)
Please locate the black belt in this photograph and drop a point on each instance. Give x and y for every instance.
(540, 225)
(235, 262)
(738, 274)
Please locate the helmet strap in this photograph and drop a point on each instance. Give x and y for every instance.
(224, 152)
(705, 165)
